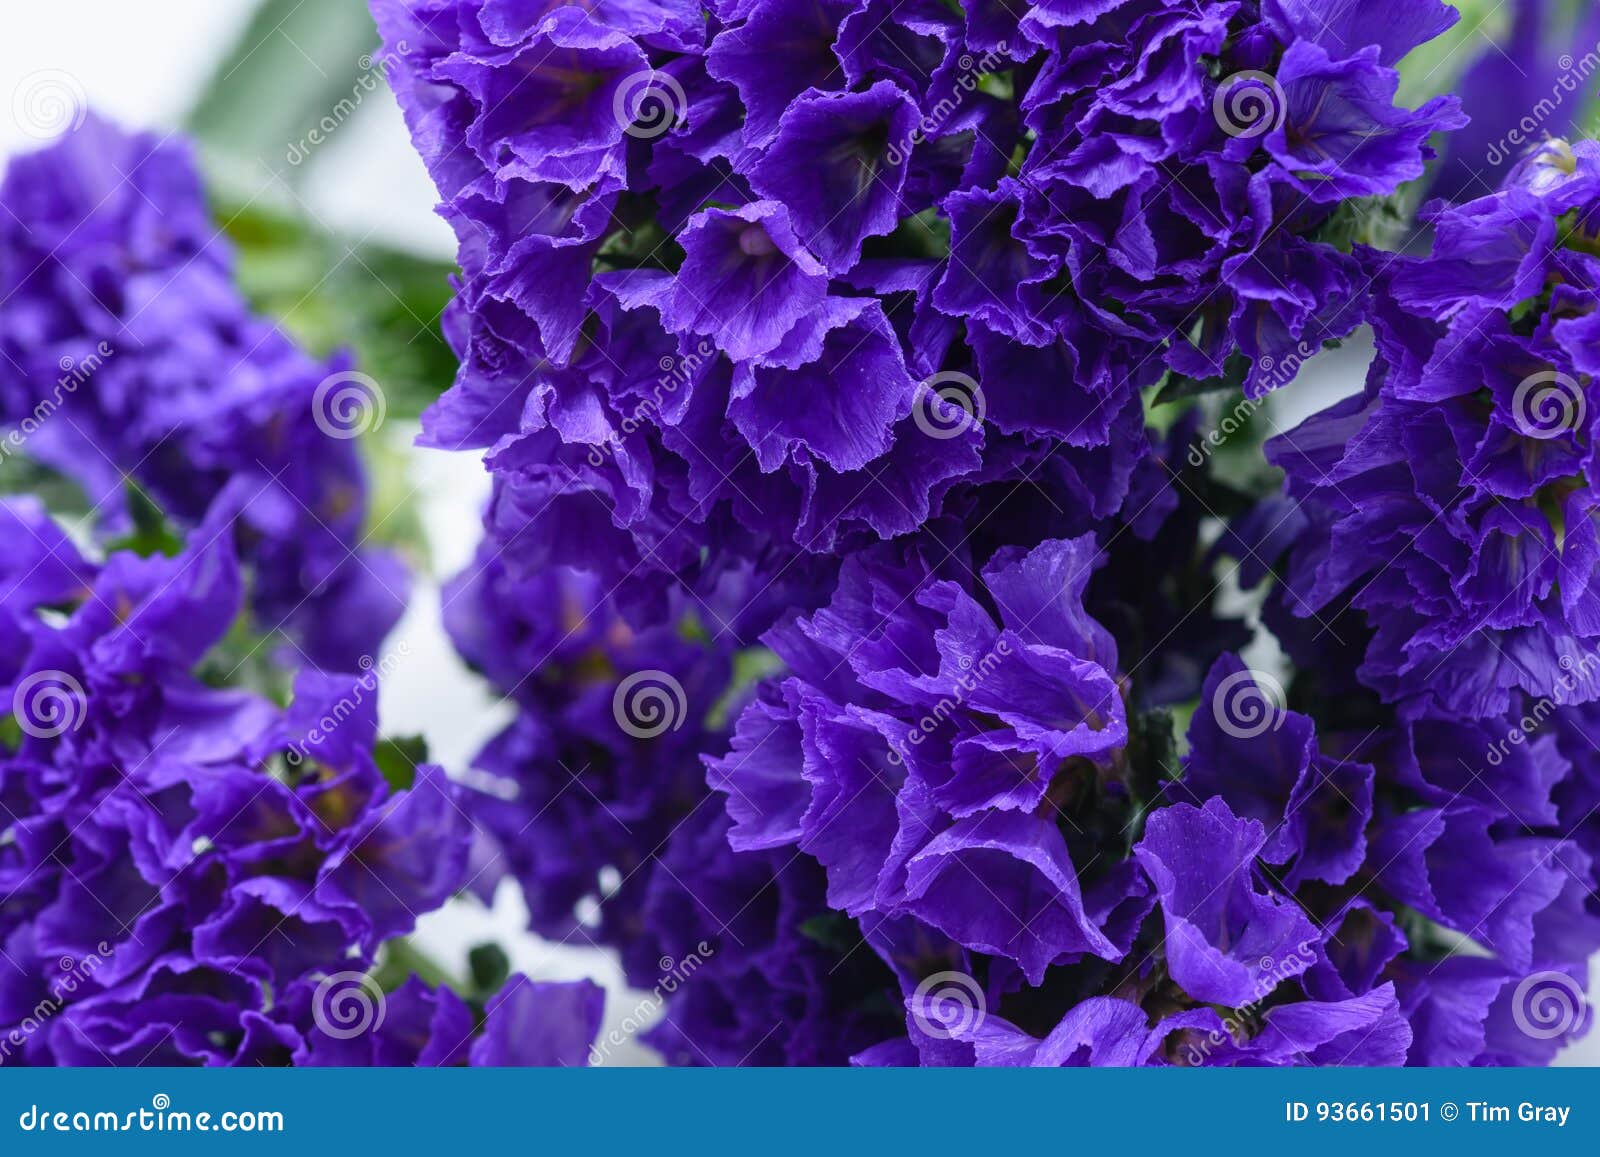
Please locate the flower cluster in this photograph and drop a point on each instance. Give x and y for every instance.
(965, 772)
(1454, 502)
(755, 282)
(832, 325)
(134, 367)
(593, 800)
(193, 875)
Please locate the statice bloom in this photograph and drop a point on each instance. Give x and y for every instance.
(1531, 86)
(767, 973)
(1454, 500)
(955, 749)
(593, 800)
(747, 283)
(526, 1023)
(134, 367)
(192, 875)
(601, 759)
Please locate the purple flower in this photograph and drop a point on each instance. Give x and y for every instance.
(1452, 503)
(1518, 92)
(840, 333)
(138, 371)
(795, 279)
(1221, 930)
(180, 859)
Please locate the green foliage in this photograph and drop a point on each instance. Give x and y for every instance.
(397, 759)
(329, 294)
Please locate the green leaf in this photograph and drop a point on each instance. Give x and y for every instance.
(833, 930)
(489, 967)
(397, 759)
(400, 959)
(295, 69)
(63, 498)
(1180, 386)
(750, 666)
(1153, 749)
(379, 302)
(1434, 68)
(152, 534)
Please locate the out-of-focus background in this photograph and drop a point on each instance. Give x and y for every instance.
(308, 161)
(309, 164)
